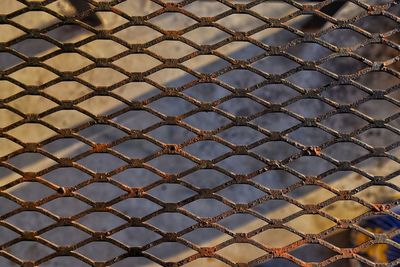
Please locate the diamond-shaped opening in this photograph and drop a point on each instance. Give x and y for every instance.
(68, 62)
(35, 20)
(172, 77)
(67, 90)
(37, 132)
(345, 151)
(345, 209)
(7, 176)
(7, 235)
(344, 65)
(378, 194)
(65, 206)
(8, 147)
(378, 137)
(136, 177)
(242, 223)
(30, 191)
(311, 194)
(376, 24)
(69, 33)
(34, 47)
(277, 150)
(34, 76)
(206, 92)
(206, 9)
(171, 192)
(135, 236)
(137, 63)
(241, 135)
(171, 49)
(64, 119)
(309, 51)
(100, 251)
(241, 252)
(137, 119)
(31, 162)
(241, 107)
(63, 146)
(206, 237)
(101, 105)
(171, 106)
(206, 178)
(373, 252)
(275, 122)
(344, 94)
(309, 79)
(101, 162)
(311, 224)
(241, 78)
(377, 52)
(136, 207)
(240, 50)
(276, 209)
(240, 22)
(162, 163)
(378, 80)
(378, 109)
(347, 238)
(8, 89)
(103, 48)
(171, 222)
(172, 21)
(137, 148)
(274, 10)
(8, 60)
(171, 251)
(9, 32)
(373, 166)
(309, 108)
(65, 235)
(311, 166)
(207, 121)
(10, 6)
(344, 122)
(276, 179)
(276, 238)
(206, 63)
(274, 36)
(206, 35)
(101, 133)
(379, 223)
(275, 93)
(102, 76)
(206, 207)
(60, 261)
(241, 193)
(137, 8)
(101, 221)
(110, 21)
(172, 134)
(29, 220)
(29, 250)
(8, 118)
(241, 164)
(207, 150)
(66, 176)
(343, 37)
(312, 253)
(351, 180)
(130, 34)
(275, 64)
(136, 91)
(101, 192)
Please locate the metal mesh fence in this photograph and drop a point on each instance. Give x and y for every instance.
(199, 133)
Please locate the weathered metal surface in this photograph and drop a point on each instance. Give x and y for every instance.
(163, 185)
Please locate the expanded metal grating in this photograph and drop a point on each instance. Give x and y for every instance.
(199, 133)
